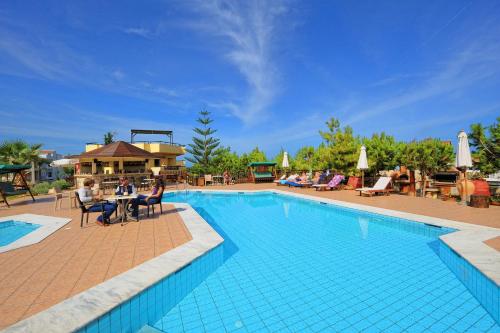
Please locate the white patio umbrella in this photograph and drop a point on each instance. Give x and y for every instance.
(63, 162)
(362, 164)
(463, 158)
(285, 163)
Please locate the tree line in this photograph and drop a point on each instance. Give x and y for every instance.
(339, 151)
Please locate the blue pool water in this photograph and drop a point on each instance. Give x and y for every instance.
(292, 265)
(11, 231)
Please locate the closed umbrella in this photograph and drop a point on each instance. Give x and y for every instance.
(362, 164)
(463, 158)
(285, 163)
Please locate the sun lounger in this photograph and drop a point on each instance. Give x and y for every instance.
(280, 181)
(295, 184)
(333, 184)
(381, 186)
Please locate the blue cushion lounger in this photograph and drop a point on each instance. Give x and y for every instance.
(294, 184)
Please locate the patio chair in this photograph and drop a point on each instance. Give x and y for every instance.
(381, 186)
(334, 184)
(58, 197)
(85, 208)
(152, 204)
(208, 179)
(144, 184)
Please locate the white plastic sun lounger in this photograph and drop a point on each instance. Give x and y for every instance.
(381, 186)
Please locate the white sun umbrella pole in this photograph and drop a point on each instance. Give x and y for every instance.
(285, 163)
(362, 164)
(463, 158)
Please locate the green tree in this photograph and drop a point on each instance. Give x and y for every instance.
(225, 159)
(321, 158)
(257, 155)
(109, 137)
(304, 158)
(19, 152)
(485, 144)
(343, 147)
(428, 156)
(204, 144)
(382, 152)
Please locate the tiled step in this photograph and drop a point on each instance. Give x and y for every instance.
(149, 329)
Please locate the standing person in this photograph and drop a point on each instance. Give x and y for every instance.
(86, 195)
(154, 197)
(227, 177)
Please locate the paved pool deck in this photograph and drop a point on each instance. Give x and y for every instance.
(74, 259)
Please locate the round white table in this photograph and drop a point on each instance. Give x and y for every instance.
(122, 201)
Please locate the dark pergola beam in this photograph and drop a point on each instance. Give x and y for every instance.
(134, 132)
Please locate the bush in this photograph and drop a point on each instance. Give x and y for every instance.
(44, 187)
(41, 188)
(61, 183)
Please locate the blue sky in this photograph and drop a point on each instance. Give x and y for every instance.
(271, 72)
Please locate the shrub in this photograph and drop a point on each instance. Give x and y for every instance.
(61, 183)
(44, 187)
(41, 188)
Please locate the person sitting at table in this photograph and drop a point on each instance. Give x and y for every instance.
(144, 200)
(86, 195)
(125, 188)
(227, 177)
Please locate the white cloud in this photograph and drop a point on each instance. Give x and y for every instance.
(473, 62)
(248, 31)
(142, 32)
(118, 74)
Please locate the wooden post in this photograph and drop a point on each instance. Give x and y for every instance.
(411, 189)
(25, 184)
(465, 185)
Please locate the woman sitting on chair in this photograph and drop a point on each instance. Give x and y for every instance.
(154, 197)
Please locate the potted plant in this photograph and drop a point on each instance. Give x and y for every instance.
(495, 200)
(481, 186)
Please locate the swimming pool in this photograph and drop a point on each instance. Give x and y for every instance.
(11, 230)
(297, 265)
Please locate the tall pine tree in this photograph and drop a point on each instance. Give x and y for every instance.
(204, 144)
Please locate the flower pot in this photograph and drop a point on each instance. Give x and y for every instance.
(481, 187)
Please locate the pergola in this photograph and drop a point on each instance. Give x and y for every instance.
(134, 132)
(14, 188)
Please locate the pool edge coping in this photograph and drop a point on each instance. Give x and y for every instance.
(48, 225)
(79, 310)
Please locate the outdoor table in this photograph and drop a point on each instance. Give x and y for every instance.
(218, 179)
(122, 201)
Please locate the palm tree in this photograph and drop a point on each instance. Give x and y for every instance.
(109, 137)
(19, 152)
